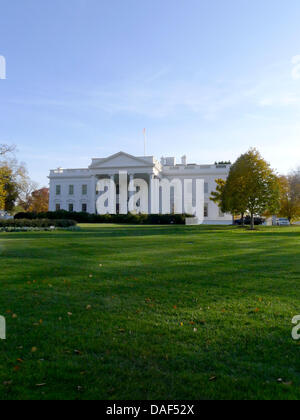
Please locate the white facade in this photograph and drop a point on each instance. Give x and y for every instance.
(75, 189)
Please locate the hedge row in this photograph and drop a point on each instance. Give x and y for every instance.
(147, 219)
(36, 223)
(10, 229)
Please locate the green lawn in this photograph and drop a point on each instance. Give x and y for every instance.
(127, 312)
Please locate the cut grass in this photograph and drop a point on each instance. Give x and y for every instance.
(150, 312)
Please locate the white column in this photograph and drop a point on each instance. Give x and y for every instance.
(123, 197)
(183, 194)
(151, 178)
(131, 191)
(114, 198)
(93, 195)
(154, 207)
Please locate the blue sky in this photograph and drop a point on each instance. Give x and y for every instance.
(207, 78)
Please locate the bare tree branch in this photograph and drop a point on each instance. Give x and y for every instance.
(6, 149)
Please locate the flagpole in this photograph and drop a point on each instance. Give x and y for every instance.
(144, 141)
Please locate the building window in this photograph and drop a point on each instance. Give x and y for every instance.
(206, 187)
(84, 190)
(58, 189)
(205, 210)
(71, 189)
(71, 207)
(84, 208)
(57, 207)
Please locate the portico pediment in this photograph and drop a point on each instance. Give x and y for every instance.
(121, 160)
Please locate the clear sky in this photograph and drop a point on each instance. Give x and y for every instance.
(207, 78)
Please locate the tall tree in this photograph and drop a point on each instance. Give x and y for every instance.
(25, 197)
(37, 201)
(217, 196)
(290, 196)
(2, 190)
(4, 151)
(252, 187)
(15, 181)
(10, 187)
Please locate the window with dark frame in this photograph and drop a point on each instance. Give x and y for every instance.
(206, 210)
(84, 190)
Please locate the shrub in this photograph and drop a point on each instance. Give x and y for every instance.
(26, 229)
(247, 221)
(36, 223)
(137, 219)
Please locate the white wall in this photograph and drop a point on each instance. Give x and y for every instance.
(78, 177)
(64, 199)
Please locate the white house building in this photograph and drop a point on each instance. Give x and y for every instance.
(76, 189)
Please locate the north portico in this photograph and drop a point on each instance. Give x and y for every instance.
(76, 189)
